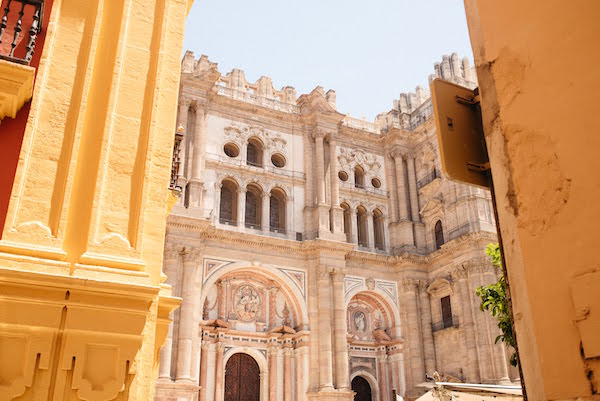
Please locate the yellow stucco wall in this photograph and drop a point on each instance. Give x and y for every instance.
(83, 310)
(537, 64)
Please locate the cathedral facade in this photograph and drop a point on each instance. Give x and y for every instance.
(320, 256)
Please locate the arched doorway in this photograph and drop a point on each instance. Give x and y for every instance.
(242, 378)
(361, 387)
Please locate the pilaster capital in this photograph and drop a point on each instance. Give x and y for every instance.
(171, 251)
(218, 185)
(190, 254)
(185, 102)
(397, 153)
(337, 274)
(318, 135)
(322, 272)
(242, 190)
(410, 284)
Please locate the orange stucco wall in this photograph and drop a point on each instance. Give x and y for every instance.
(537, 64)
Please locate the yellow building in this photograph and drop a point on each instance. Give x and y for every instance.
(83, 307)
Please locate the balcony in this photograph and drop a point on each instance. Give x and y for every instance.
(20, 25)
(451, 321)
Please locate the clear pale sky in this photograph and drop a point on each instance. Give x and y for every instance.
(367, 51)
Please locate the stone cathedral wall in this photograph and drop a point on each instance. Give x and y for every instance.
(321, 245)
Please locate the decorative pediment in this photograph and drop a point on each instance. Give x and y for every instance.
(350, 158)
(432, 206)
(439, 284)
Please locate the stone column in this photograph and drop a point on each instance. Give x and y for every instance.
(468, 328)
(335, 190)
(337, 214)
(219, 372)
(383, 379)
(412, 186)
(342, 380)
(353, 226)
(272, 353)
(428, 346)
(217, 209)
(164, 366)
(371, 231)
(241, 207)
(171, 259)
(400, 186)
(325, 351)
(320, 164)
(203, 367)
(266, 207)
(198, 160)
(386, 233)
(186, 317)
(289, 214)
(486, 364)
(414, 332)
(299, 360)
(287, 373)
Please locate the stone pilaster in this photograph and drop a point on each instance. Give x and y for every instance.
(196, 185)
(203, 367)
(287, 373)
(342, 380)
(382, 378)
(272, 362)
(412, 186)
(400, 185)
(470, 360)
(219, 372)
(353, 226)
(320, 164)
(428, 346)
(325, 349)
(414, 331)
(171, 259)
(337, 214)
(186, 316)
(265, 216)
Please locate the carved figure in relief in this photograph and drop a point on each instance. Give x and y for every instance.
(360, 322)
(247, 303)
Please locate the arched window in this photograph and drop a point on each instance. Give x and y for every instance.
(277, 211)
(347, 222)
(253, 206)
(378, 228)
(439, 235)
(359, 177)
(254, 152)
(228, 203)
(362, 226)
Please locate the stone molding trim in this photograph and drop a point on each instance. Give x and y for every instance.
(16, 87)
(57, 326)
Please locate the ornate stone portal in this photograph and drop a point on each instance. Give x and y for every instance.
(314, 250)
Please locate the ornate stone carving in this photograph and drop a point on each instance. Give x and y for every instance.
(247, 302)
(350, 158)
(273, 141)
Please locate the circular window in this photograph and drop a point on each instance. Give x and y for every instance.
(343, 175)
(278, 160)
(231, 149)
(376, 183)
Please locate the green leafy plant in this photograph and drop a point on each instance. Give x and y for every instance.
(493, 299)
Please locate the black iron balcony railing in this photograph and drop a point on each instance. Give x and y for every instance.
(18, 13)
(428, 178)
(450, 321)
(176, 163)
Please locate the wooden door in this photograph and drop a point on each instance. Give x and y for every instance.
(362, 389)
(242, 379)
